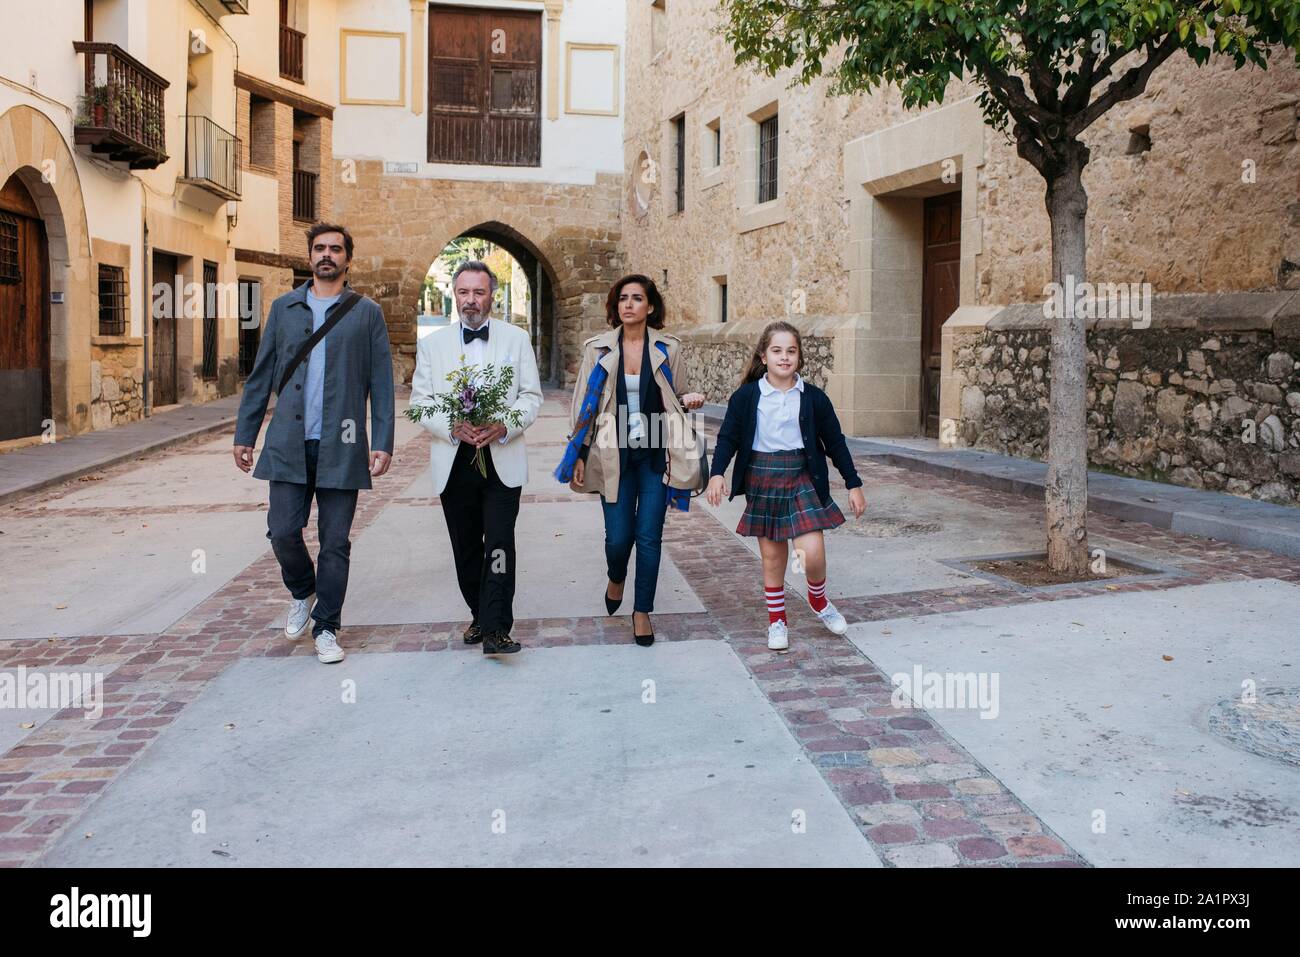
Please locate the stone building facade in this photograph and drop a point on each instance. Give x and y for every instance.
(1193, 188)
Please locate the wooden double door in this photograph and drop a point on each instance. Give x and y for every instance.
(940, 294)
(24, 315)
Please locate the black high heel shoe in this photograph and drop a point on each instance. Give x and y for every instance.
(612, 604)
(645, 641)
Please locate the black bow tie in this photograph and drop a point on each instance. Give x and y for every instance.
(472, 334)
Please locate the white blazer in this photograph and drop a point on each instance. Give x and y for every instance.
(439, 354)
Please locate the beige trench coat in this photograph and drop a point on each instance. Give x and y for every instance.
(683, 445)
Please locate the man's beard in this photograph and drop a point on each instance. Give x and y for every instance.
(473, 319)
(333, 268)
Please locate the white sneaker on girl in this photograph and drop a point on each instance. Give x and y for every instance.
(832, 619)
(778, 636)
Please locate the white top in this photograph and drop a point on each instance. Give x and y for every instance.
(777, 429)
(632, 383)
(473, 351)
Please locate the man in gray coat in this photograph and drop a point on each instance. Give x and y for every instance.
(316, 442)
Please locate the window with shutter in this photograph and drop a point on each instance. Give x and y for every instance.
(484, 86)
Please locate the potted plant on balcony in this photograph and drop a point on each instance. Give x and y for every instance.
(93, 110)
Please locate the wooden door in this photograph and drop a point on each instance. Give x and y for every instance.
(485, 86)
(24, 315)
(939, 295)
(166, 311)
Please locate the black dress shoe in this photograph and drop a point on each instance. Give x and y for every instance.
(611, 604)
(473, 634)
(499, 643)
(645, 641)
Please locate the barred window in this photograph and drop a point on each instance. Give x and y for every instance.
(767, 169)
(112, 300)
(9, 271)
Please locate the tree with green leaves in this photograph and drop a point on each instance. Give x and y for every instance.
(1048, 70)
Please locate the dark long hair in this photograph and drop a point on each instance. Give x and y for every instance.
(655, 320)
(755, 369)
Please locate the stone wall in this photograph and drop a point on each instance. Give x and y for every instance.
(402, 223)
(716, 355)
(116, 384)
(1207, 397)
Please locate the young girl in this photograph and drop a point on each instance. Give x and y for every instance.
(780, 429)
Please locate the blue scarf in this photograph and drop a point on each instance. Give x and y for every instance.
(678, 498)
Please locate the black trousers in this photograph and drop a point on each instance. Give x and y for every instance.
(286, 517)
(480, 514)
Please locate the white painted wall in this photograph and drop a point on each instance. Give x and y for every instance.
(574, 147)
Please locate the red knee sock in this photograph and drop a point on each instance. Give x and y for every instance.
(775, 603)
(817, 594)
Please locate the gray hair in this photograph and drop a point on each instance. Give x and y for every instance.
(475, 265)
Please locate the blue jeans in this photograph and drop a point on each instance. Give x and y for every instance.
(637, 518)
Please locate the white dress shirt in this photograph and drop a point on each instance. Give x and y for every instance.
(473, 353)
(777, 429)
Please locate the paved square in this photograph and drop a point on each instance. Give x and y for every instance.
(558, 746)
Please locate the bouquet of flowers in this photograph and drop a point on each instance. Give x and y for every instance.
(477, 397)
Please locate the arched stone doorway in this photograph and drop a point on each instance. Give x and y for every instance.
(541, 283)
(571, 231)
(38, 158)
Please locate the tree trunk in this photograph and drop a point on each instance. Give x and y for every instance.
(1066, 492)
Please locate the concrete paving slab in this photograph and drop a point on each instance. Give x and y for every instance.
(123, 575)
(1091, 717)
(23, 471)
(201, 477)
(419, 770)
(402, 570)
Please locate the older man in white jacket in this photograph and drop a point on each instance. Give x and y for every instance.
(480, 512)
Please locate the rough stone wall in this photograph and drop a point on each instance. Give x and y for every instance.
(716, 356)
(1177, 215)
(1207, 404)
(116, 380)
(402, 223)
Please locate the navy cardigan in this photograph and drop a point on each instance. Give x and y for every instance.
(818, 424)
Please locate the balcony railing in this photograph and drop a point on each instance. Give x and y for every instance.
(291, 43)
(212, 157)
(304, 196)
(121, 110)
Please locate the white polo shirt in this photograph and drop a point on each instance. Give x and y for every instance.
(777, 429)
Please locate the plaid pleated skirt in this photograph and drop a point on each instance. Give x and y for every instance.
(780, 501)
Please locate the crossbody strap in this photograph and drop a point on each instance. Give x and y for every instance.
(340, 310)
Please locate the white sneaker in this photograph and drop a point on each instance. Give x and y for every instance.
(832, 619)
(327, 648)
(778, 636)
(299, 616)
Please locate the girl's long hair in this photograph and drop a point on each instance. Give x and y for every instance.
(754, 371)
